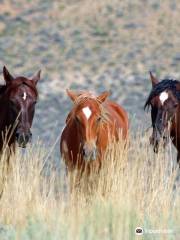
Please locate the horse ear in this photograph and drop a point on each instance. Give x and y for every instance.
(72, 95)
(36, 77)
(101, 98)
(154, 80)
(7, 76)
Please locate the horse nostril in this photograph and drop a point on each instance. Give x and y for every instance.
(83, 152)
(175, 105)
(94, 155)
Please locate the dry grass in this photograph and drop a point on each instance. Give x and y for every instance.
(135, 188)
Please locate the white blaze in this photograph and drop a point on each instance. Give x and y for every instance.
(24, 96)
(163, 97)
(87, 112)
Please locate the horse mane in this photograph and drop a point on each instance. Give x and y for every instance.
(160, 87)
(84, 97)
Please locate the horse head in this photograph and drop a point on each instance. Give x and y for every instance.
(21, 96)
(164, 101)
(88, 116)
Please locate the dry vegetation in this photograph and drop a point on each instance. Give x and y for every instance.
(135, 188)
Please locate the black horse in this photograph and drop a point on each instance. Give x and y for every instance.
(164, 100)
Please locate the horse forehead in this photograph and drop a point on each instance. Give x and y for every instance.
(163, 96)
(25, 90)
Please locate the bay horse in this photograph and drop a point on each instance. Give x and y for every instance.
(17, 103)
(164, 100)
(90, 126)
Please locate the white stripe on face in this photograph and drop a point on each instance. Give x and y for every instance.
(24, 96)
(87, 112)
(163, 97)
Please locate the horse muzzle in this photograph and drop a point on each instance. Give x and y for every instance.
(89, 154)
(23, 138)
(156, 138)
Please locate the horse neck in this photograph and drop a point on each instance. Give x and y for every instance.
(71, 124)
(4, 121)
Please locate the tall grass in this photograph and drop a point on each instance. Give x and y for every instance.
(134, 188)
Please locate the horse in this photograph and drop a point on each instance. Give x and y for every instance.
(92, 123)
(164, 100)
(18, 98)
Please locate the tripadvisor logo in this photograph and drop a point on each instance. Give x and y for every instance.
(139, 231)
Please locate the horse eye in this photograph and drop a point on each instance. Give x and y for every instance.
(175, 104)
(99, 119)
(12, 102)
(77, 119)
(13, 106)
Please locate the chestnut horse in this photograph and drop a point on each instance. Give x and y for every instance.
(164, 100)
(17, 104)
(91, 124)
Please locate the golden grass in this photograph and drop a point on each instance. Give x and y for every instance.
(135, 188)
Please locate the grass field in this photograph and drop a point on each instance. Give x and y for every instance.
(135, 188)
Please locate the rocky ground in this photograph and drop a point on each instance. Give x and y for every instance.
(92, 45)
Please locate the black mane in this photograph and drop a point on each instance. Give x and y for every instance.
(166, 84)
